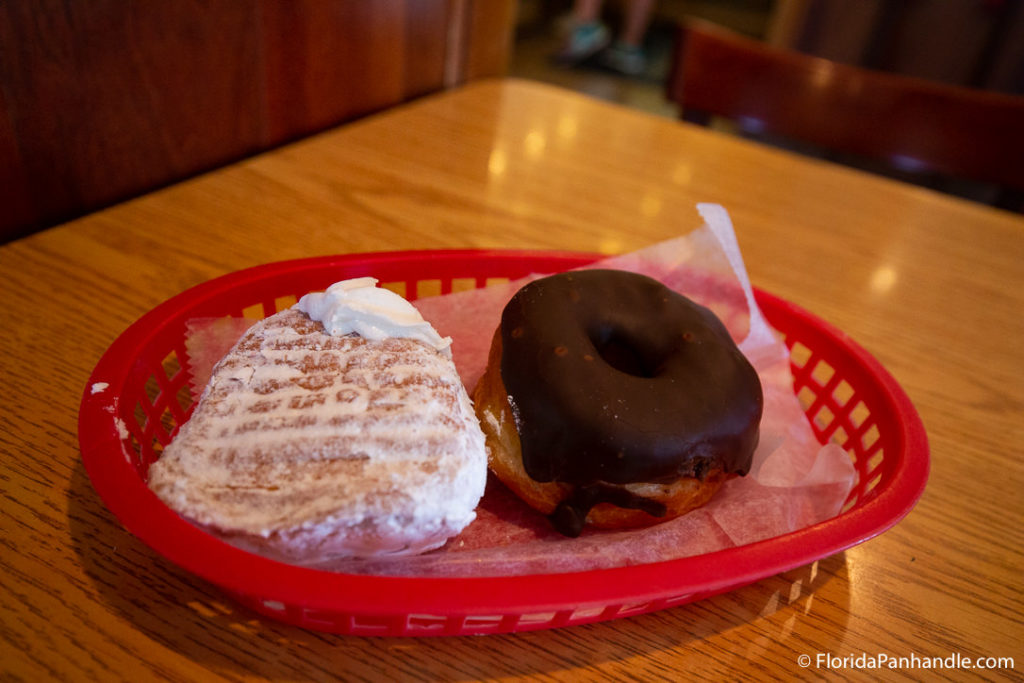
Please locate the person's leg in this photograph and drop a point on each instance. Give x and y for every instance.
(586, 11)
(587, 35)
(637, 19)
(627, 54)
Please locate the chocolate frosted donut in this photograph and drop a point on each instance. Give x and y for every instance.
(622, 394)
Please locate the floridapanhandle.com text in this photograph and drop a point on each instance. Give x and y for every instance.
(864, 660)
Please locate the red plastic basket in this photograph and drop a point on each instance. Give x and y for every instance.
(848, 397)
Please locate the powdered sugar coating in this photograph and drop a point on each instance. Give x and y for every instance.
(308, 447)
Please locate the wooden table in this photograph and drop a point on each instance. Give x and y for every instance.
(932, 286)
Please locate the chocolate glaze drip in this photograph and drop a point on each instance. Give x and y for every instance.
(571, 514)
(613, 378)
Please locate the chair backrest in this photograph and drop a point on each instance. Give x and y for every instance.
(909, 123)
(101, 101)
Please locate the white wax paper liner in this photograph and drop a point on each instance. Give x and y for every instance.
(794, 481)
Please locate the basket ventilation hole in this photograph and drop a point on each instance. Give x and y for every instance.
(842, 393)
(314, 616)
(171, 365)
(396, 287)
(824, 418)
(282, 303)
(254, 312)
(426, 622)
(483, 621)
(463, 284)
(587, 614)
(870, 437)
(492, 281)
(875, 461)
(152, 388)
(822, 373)
(140, 415)
(806, 397)
(168, 422)
(368, 624)
(536, 619)
(859, 414)
(136, 448)
(184, 398)
(799, 355)
(678, 599)
(425, 288)
(634, 609)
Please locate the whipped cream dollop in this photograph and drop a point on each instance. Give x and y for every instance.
(360, 306)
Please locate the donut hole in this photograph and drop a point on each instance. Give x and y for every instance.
(624, 352)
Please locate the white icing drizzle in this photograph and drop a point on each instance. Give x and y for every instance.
(359, 306)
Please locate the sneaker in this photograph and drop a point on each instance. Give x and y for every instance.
(626, 59)
(585, 40)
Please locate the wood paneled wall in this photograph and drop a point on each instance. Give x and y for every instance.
(101, 100)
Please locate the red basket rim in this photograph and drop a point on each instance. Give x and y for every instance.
(125, 494)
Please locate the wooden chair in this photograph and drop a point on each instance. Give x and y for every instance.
(101, 101)
(908, 123)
